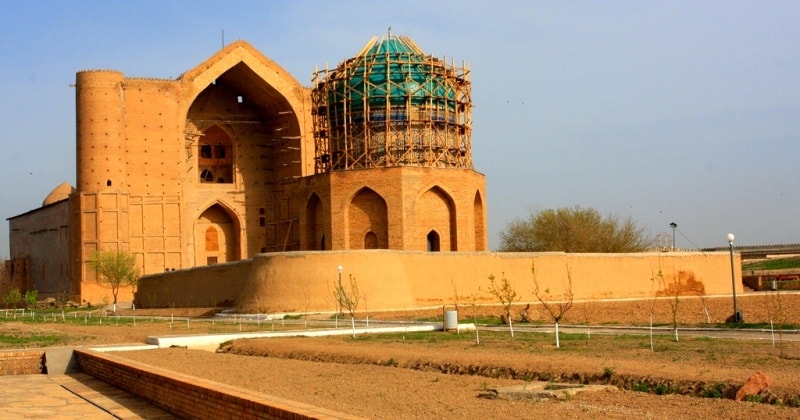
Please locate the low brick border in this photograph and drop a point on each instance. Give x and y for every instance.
(22, 362)
(187, 396)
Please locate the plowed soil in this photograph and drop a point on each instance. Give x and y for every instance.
(447, 376)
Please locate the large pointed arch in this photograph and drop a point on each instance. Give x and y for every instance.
(367, 220)
(437, 212)
(260, 104)
(217, 236)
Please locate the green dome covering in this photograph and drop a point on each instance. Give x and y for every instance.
(389, 73)
(391, 105)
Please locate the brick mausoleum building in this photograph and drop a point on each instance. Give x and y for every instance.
(235, 157)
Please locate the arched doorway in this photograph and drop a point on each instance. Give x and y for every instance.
(216, 238)
(371, 240)
(433, 242)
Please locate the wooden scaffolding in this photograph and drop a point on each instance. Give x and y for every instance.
(392, 105)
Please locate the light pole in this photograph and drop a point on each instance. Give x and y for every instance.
(340, 286)
(673, 225)
(737, 317)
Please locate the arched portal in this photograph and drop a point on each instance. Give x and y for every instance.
(216, 237)
(368, 214)
(438, 214)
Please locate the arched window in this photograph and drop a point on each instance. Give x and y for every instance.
(205, 151)
(206, 176)
(370, 240)
(215, 157)
(433, 241)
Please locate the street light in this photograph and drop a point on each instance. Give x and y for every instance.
(673, 225)
(340, 286)
(737, 316)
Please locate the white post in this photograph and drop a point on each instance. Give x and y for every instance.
(773, 332)
(558, 342)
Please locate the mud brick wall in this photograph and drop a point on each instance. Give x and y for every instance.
(191, 397)
(22, 362)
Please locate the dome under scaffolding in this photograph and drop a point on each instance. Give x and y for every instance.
(392, 105)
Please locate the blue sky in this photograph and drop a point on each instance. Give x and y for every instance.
(677, 111)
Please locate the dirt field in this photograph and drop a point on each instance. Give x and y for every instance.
(395, 377)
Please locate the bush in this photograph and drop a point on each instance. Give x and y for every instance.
(716, 391)
(31, 297)
(13, 298)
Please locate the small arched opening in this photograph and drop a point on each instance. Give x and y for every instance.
(433, 241)
(370, 240)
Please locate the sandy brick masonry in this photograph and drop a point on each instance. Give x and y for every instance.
(22, 362)
(190, 397)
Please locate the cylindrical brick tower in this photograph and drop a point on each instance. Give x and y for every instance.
(100, 205)
(100, 131)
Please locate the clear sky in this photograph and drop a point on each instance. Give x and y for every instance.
(679, 111)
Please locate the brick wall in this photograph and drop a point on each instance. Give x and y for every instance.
(191, 397)
(22, 362)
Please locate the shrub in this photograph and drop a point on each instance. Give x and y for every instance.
(31, 297)
(13, 298)
(715, 391)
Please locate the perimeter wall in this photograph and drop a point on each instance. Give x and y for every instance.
(304, 281)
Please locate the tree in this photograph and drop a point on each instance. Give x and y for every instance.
(555, 308)
(115, 269)
(573, 229)
(505, 293)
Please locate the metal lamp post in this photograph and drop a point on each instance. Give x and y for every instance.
(737, 317)
(340, 285)
(673, 225)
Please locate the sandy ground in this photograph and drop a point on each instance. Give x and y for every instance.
(390, 377)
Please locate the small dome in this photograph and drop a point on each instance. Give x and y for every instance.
(61, 192)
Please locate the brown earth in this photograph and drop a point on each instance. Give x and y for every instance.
(394, 377)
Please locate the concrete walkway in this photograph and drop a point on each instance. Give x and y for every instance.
(70, 396)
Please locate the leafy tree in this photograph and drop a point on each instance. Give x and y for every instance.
(115, 269)
(573, 229)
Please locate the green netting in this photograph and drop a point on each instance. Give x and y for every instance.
(391, 71)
